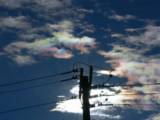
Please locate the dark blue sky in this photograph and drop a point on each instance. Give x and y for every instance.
(41, 37)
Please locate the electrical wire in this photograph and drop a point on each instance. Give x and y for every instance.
(95, 66)
(65, 80)
(37, 78)
(129, 104)
(124, 85)
(129, 94)
(28, 107)
(36, 105)
(36, 86)
(53, 102)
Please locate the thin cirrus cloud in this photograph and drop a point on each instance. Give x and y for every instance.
(131, 60)
(149, 38)
(59, 45)
(121, 18)
(19, 22)
(154, 117)
(48, 4)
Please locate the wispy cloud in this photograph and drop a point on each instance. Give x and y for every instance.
(23, 59)
(121, 18)
(47, 4)
(12, 3)
(19, 22)
(35, 25)
(60, 45)
(154, 117)
(148, 38)
(130, 60)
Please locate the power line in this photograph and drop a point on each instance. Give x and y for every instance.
(128, 104)
(95, 66)
(37, 78)
(52, 102)
(28, 107)
(36, 86)
(125, 85)
(129, 94)
(34, 105)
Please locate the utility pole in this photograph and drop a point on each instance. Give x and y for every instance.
(85, 97)
(90, 75)
(84, 92)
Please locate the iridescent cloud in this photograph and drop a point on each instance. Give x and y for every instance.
(59, 45)
(134, 63)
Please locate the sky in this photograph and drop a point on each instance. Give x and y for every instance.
(42, 37)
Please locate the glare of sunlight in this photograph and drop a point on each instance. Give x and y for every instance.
(75, 106)
(71, 106)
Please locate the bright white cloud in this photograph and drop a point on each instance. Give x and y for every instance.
(69, 105)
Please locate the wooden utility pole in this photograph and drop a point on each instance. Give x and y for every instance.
(86, 105)
(84, 92)
(80, 83)
(90, 75)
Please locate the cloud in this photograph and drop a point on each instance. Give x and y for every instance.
(41, 14)
(41, 35)
(23, 59)
(121, 18)
(59, 45)
(47, 4)
(85, 10)
(117, 35)
(58, 53)
(63, 26)
(43, 18)
(53, 4)
(12, 3)
(19, 22)
(131, 60)
(138, 69)
(149, 38)
(133, 29)
(128, 62)
(154, 117)
(97, 112)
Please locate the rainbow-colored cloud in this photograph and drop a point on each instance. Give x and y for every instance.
(134, 64)
(59, 45)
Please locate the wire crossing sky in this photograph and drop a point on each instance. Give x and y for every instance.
(36, 79)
